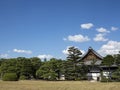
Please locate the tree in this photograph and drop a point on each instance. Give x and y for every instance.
(108, 61)
(116, 74)
(8, 66)
(117, 58)
(49, 70)
(71, 64)
(24, 66)
(36, 63)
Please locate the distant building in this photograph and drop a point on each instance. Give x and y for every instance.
(93, 60)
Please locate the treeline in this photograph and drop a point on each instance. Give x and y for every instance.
(72, 68)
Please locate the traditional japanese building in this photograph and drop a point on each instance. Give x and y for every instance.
(93, 60)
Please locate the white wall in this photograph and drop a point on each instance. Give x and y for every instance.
(94, 76)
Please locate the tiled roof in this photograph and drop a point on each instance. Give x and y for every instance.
(90, 49)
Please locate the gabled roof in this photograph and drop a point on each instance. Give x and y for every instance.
(93, 51)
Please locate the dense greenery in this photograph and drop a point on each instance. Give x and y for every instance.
(34, 68)
(10, 77)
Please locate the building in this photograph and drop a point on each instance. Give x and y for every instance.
(93, 60)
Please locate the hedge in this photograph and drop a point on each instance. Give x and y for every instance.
(10, 77)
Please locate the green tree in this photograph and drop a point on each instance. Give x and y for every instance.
(50, 69)
(9, 66)
(72, 61)
(108, 61)
(117, 59)
(36, 63)
(25, 67)
(116, 75)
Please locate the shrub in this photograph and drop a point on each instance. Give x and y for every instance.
(50, 76)
(104, 79)
(116, 75)
(10, 77)
(23, 77)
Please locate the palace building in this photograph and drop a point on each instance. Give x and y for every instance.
(94, 60)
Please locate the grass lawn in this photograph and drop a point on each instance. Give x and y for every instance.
(57, 85)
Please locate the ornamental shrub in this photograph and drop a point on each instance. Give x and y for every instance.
(10, 77)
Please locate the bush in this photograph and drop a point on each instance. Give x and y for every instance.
(10, 77)
(50, 76)
(23, 77)
(104, 79)
(116, 75)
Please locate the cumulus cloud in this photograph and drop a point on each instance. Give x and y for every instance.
(22, 51)
(114, 28)
(44, 56)
(77, 38)
(86, 26)
(65, 51)
(111, 48)
(102, 30)
(100, 37)
(4, 55)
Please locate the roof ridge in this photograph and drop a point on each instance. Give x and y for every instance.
(96, 53)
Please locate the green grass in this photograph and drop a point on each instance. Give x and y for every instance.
(57, 85)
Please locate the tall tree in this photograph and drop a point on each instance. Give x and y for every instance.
(71, 64)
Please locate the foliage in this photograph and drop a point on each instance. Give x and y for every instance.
(49, 70)
(116, 75)
(74, 54)
(9, 66)
(25, 66)
(36, 63)
(104, 79)
(117, 58)
(10, 77)
(23, 77)
(72, 70)
(21, 66)
(108, 60)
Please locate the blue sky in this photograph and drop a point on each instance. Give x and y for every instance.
(46, 28)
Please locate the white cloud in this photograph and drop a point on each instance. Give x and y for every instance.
(65, 51)
(102, 30)
(22, 51)
(4, 55)
(44, 56)
(77, 38)
(100, 37)
(86, 26)
(114, 28)
(111, 48)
